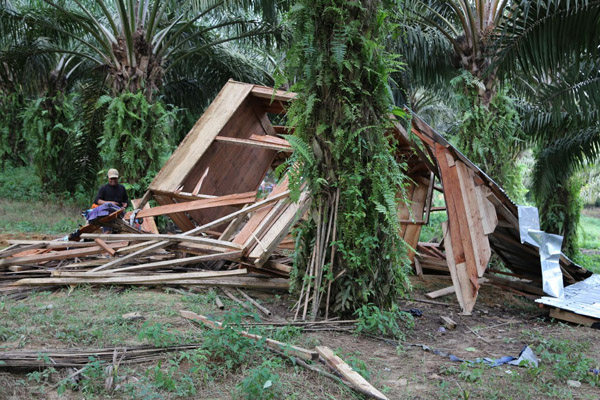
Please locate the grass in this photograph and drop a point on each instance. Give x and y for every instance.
(39, 217)
(589, 231)
(27, 208)
(225, 365)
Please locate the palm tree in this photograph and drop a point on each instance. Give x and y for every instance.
(175, 52)
(140, 43)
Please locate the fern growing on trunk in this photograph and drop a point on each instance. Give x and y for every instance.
(52, 130)
(135, 137)
(349, 251)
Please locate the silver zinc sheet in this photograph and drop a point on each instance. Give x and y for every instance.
(582, 298)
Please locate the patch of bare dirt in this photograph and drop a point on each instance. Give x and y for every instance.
(5, 237)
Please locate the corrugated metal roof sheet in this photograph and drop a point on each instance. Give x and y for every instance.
(582, 298)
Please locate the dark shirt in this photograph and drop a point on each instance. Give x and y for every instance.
(112, 193)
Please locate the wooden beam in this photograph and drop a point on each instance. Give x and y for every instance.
(270, 139)
(448, 290)
(236, 214)
(272, 94)
(231, 255)
(228, 200)
(289, 349)
(111, 252)
(180, 219)
(170, 238)
(16, 249)
(253, 143)
(128, 280)
(358, 382)
(58, 255)
(183, 195)
(280, 229)
(569, 316)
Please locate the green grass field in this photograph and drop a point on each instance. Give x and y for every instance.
(589, 231)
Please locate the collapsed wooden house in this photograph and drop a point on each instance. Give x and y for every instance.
(209, 188)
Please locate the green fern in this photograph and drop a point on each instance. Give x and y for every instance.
(136, 137)
(340, 120)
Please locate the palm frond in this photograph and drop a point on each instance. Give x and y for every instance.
(557, 161)
(546, 36)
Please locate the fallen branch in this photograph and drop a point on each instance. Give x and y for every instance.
(271, 343)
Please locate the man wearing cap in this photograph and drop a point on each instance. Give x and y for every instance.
(113, 191)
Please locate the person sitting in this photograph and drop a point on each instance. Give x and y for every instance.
(113, 192)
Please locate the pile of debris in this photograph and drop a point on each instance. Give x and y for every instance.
(234, 233)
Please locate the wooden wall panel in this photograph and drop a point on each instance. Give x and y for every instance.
(231, 168)
(191, 149)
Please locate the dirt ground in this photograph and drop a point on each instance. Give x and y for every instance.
(5, 237)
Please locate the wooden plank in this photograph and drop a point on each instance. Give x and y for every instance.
(569, 316)
(254, 143)
(228, 200)
(418, 268)
(256, 235)
(197, 141)
(457, 214)
(271, 94)
(128, 280)
(16, 249)
(55, 244)
(413, 230)
(489, 218)
(233, 215)
(479, 241)
(278, 267)
(280, 229)
(181, 220)
(261, 115)
(257, 218)
(270, 139)
(164, 237)
(502, 210)
(11, 247)
(527, 287)
(287, 349)
(199, 184)
(465, 296)
(183, 195)
(58, 255)
(356, 380)
(457, 248)
(448, 290)
(232, 228)
(231, 255)
(133, 256)
(106, 247)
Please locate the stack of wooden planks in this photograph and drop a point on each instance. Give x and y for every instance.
(245, 254)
